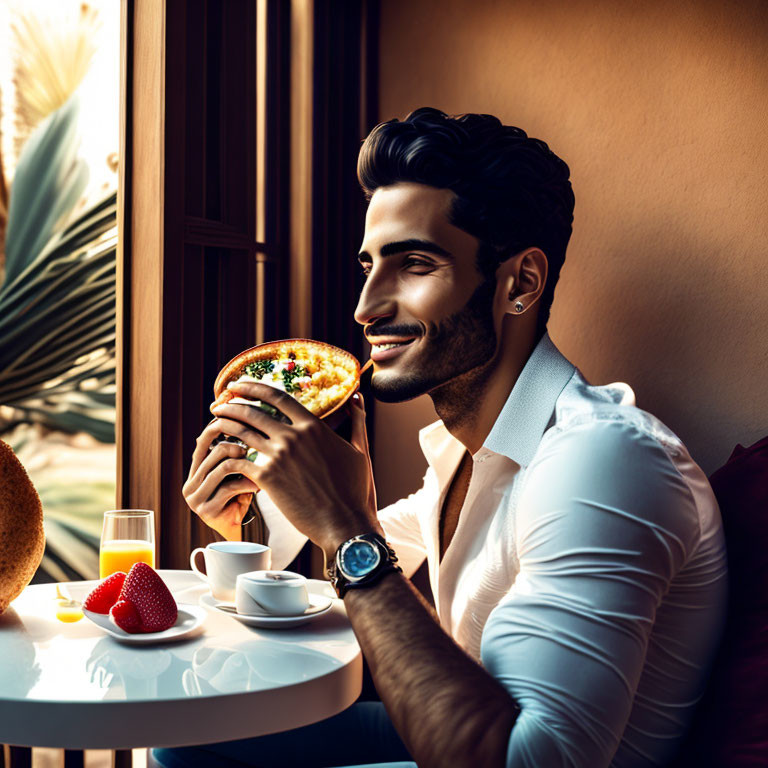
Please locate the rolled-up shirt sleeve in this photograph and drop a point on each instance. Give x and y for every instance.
(604, 522)
(399, 520)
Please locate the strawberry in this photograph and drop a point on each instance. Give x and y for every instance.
(152, 598)
(124, 614)
(105, 595)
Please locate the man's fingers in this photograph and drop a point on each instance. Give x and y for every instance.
(242, 432)
(214, 429)
(284, 403)
(214, 491)
(221, 504)
(203, 445)
(229, 490)
(207, 485)
(252, 416)
(217, 454)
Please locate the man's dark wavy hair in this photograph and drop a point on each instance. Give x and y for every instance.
(512, 191)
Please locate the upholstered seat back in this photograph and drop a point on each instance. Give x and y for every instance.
(731, 725)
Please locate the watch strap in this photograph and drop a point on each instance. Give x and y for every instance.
(370, 579)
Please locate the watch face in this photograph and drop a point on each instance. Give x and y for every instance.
(358, 559)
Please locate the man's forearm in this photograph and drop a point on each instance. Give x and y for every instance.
(447, 709)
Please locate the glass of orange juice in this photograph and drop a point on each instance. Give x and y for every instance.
(127, 537)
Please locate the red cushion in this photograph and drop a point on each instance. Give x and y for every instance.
(731, 724)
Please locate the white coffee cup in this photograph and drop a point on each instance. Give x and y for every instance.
(279, 593)
(225, 560)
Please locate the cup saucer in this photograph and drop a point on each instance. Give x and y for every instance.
(188, 623)
(318, 605)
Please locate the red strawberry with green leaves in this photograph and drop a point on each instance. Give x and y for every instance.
(153, 600)
(124, 614)
(106, 594)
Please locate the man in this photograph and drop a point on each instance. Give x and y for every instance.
(574, 548)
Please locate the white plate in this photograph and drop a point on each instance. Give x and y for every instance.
(318, 605)
(188, 623)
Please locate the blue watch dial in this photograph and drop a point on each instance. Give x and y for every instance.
(359, 558)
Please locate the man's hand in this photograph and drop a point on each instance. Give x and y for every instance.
(219, 499)
(319, 481)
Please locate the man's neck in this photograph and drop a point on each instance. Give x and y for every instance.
(470, 404)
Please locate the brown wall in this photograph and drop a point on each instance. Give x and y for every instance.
(661, 110)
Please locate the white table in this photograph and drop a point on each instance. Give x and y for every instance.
(72, 686)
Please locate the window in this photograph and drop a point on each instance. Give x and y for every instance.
(59, 96)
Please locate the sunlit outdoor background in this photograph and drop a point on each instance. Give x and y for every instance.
(59, 107)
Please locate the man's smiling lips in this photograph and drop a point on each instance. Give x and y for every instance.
(381, 349)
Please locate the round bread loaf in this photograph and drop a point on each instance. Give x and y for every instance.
(22, 540)
(330, 374)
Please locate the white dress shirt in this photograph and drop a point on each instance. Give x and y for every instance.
(587, 572)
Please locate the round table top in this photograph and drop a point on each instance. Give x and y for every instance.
(73, 686)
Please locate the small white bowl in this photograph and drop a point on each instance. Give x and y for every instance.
(271, 593)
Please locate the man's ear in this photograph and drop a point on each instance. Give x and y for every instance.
(523, 277)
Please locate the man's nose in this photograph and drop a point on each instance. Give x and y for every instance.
(375, 302)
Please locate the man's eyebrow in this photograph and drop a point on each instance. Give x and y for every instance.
(413, 244)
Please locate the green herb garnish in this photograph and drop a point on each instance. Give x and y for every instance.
(259, 368)
(289, 376)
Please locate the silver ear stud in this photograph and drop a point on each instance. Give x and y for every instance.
(519, 307)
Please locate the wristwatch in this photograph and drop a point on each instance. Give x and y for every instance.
(360, 561)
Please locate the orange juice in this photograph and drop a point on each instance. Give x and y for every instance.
(121, 555)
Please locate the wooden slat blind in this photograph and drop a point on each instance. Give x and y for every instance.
(198, 285)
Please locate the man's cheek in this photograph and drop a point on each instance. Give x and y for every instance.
(434, 308)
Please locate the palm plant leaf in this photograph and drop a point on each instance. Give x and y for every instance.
(48, 182)
(60, 310)
(96, 226)
(57, 304)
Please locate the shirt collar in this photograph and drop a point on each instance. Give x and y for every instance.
(523, 420)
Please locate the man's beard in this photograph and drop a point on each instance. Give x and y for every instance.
(458, 344)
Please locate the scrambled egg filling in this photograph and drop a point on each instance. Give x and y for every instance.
(316, 380)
